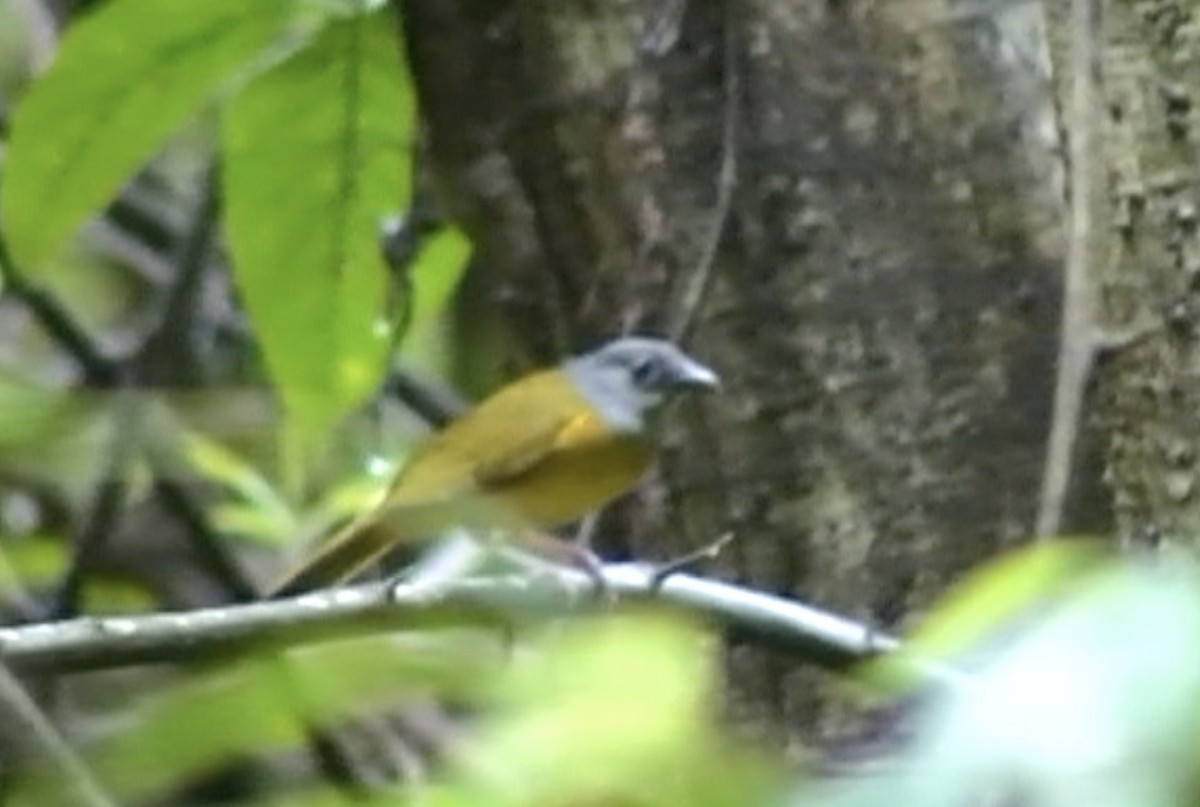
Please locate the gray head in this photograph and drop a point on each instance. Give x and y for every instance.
(629, 377)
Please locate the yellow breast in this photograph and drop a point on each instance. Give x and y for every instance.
(576, 479)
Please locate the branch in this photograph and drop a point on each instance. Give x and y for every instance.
(94, 643)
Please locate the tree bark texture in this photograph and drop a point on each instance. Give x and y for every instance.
(1150, 268)
(884, 303)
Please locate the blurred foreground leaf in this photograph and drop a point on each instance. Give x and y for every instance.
(987, 603)
(618, 710)
(262, 706)
(1095, 700)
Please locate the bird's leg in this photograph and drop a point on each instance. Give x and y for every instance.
(567, 553)
(586, 531)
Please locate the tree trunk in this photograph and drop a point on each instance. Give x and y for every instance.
(884, 301)
(1150, 267)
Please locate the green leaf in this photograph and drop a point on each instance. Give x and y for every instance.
(50, 435)
(434, 276)
(242, 520)
(316, 155)
(263, 705)
(1092, 702)
(991, 598)
(109, 596)
(128, 76)
(272, 517)
(32, 562)
(356, 495)
(37, 562)
(32, 413)
(613, 710)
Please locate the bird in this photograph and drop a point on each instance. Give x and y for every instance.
(543, 451)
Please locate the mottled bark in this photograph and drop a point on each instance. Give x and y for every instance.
(885, 300)
(1151, 268)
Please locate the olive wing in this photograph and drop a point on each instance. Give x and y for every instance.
(502, 438)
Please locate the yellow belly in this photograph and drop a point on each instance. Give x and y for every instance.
(571, 484)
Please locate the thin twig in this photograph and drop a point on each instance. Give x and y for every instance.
(166, 355)
(434, 403)
(25, 732)
(700, 280)
(1080, 339)
(98, 370)
(104, 514)
(704, 554)
(178, 502)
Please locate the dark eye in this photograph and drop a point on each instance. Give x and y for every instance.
(644, 373)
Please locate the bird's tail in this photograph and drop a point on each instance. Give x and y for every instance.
(351, 549)
(372, 535)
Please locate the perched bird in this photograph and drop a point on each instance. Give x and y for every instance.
(545, 450)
